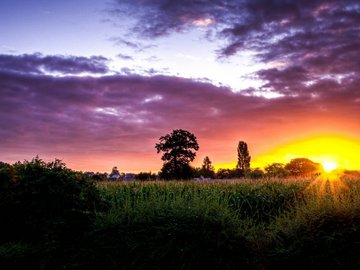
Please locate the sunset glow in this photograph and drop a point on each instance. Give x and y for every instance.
(329, 165)
(331, 151)
(264, 72)
(203, 22)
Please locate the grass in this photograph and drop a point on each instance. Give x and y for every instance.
(269, 223)
(247, 224)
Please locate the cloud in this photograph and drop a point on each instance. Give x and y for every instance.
(302, 43)
(106, 115)
(40, 64)
(125, 57)
(137, 46)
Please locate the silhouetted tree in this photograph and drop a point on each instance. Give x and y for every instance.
(256, 173)
(276, 170)
(229, 173)
(178, 148)
(243, 163)
(302, 167)
(224, 174)
(3, 164)
(145, 176)
(207, 169)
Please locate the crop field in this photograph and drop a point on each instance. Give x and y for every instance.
(54, 218)
(230, 224)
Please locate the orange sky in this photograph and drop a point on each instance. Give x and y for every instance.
(283, 78)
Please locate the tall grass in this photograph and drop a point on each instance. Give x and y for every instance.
(259, 201)
(259, 224)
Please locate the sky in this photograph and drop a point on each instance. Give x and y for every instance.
(96, 83)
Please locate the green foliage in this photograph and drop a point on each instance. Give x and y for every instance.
(323, 232)
(19, 255)
(260, 202)
(43, 200)
(166, 238)
(178, 148)
(276, 170)
(235, 224)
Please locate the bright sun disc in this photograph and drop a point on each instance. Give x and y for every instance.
(329, 166)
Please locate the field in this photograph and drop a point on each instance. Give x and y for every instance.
(237, 224)
(231, 224)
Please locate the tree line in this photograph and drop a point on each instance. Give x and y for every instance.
(179, 149)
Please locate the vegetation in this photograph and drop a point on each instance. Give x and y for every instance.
(244, 158)
(276, 170)
(55, 218)
(302, 167)
(44, 208)
(178, 148)
(206, 171)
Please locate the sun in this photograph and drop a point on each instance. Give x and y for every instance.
(329, 165)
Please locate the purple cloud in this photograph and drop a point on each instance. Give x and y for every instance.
(124, 57)
(302, 42)
(106, 115)
(40, 64)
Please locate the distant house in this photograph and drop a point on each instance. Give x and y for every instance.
(89, 174)
(202, 179)
(129, 176)
(114, 176)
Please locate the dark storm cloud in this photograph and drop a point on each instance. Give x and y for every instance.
(128, 113)
(305, 41)
(39, 64)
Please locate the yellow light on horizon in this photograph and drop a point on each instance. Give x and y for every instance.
(340, 151)
(329, 165)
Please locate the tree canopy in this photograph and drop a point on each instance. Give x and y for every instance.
(207, 169)
(179, 149)
(243, 157)
(302, 167)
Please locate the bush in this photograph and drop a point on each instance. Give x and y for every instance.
(145, 176)
(43, 200)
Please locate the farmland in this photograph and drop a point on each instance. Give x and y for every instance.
(227, 224)
(218, 224)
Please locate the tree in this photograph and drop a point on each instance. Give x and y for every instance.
(276, 170)
(145, 176)
(302, 167)
(243, 157)
(207, 169)
(179, 150)
(256, 173)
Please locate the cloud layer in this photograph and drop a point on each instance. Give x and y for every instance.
(65, 65)
(110, 116)
(302, 43)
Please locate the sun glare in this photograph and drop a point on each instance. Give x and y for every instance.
(333, 152)
(329, 165)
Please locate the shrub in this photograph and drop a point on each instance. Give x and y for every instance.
(43, 200)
